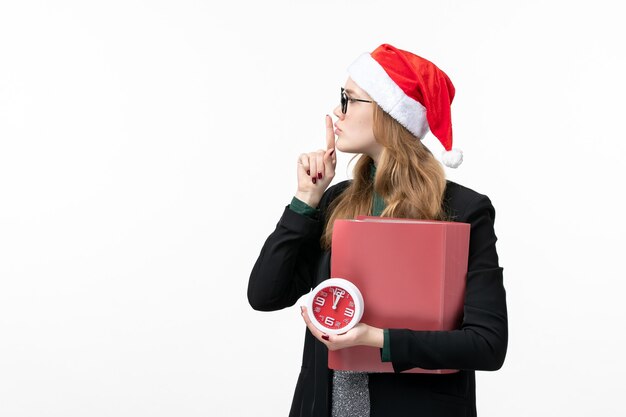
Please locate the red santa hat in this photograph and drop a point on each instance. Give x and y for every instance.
(412, 90)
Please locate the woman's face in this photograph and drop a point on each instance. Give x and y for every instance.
(354, 129)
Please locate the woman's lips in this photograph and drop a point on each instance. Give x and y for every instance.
(337, 130)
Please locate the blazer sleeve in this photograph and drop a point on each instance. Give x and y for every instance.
(285, 268)
(481, 341)
(283, 271)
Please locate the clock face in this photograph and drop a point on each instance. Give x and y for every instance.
(335, 306)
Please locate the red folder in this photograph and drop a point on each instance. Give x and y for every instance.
(412, 276)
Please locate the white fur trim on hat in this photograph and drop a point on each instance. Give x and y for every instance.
(371, 77)
(452, 158)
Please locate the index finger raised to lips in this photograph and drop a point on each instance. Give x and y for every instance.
(330, 133)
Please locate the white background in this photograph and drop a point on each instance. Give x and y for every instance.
(149, 147)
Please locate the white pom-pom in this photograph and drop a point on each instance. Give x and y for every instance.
(452, 158)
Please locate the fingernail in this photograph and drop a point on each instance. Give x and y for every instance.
(314, 180)
(319, 175)
(308, 172)
(301, 309)
(326, 337)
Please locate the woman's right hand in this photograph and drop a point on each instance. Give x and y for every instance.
(317, 169)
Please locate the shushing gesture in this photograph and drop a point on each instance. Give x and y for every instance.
(317, 169)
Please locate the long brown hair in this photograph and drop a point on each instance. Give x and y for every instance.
(408, 177)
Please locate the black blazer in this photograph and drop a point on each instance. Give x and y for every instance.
(291, 262)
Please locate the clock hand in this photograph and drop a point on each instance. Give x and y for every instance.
(336, 299)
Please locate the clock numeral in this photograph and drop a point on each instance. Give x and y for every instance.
(329, 321)
(349, 312)
(339, 292)
(320, 301)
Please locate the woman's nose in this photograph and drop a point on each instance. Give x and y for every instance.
(337, 112)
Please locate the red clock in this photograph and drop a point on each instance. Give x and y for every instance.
(335, 306)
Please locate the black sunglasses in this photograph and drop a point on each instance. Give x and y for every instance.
(345, 98)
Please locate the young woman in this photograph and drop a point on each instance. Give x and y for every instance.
(389, 102)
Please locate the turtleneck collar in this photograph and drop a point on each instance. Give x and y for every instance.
(378, 203)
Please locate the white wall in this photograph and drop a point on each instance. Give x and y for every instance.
(147, 148)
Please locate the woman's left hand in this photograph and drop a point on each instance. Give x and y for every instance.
(361, 334)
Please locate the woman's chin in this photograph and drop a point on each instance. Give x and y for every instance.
(340, 146)
(347, 150)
